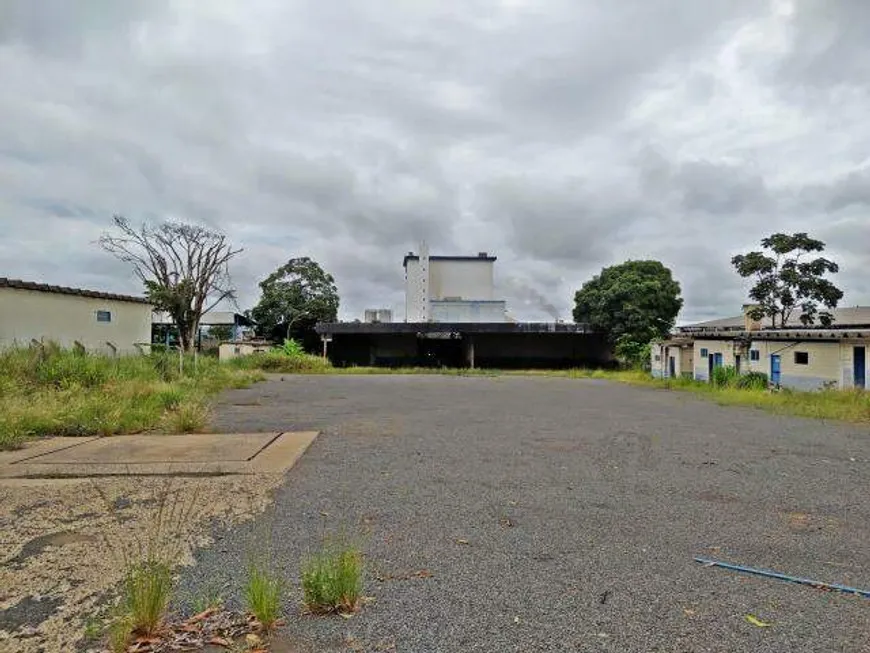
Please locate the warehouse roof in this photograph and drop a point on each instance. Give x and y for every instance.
(63, 290)
(393, 328)
(843, 317)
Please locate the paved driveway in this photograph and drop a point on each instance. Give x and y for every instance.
(582, 504)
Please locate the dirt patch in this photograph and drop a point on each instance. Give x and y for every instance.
(64, 541)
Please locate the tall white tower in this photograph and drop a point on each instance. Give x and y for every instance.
(425, 312)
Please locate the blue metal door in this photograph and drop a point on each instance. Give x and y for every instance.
(859, 356)
(717, 360)
(774, 369)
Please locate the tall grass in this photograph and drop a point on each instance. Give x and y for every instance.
(148, 558)
(262, 594)
(280, 361)
(51, 391)
(147, 589)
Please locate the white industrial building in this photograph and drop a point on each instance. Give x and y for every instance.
(71, 317)
(453, 319)
(456, 289)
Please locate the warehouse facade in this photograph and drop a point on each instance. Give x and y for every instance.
(798, 356)
(98, 322)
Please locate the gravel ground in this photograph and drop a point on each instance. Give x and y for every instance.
(582, 504)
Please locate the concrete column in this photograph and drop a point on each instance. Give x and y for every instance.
(470, 351)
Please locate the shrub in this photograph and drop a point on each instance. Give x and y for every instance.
(292, 347)
(752, 381)
(277, 361)
(262, 593)
(332, 581)
(725, 376)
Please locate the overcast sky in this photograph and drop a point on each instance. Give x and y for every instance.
(559, 135)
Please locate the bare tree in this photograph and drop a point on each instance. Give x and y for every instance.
(184, 268)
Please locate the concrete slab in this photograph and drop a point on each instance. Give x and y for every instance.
(174, 455)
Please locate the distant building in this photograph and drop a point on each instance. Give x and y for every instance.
(451, 288)
(452, 319)
(795, 356)
(163, 330)
(96, 321)
(378, 315)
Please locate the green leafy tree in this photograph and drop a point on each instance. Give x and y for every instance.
(185, 268)
(295, 297)
(786, 281)
(633, 303)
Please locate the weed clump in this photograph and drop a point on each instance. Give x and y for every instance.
(147, 588)
(262, 593)
(332, 581)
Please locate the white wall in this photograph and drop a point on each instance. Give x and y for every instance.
(27, 315)
(465, 279)
(468, 311)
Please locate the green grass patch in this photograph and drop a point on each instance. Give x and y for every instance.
(51, 391)
(332, 580)
(147, 589)
(280, 361)
(262, 593)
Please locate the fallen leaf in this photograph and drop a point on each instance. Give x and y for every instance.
(516, 620)
(461, 541)
(346, 615)
(755, 621)
(689, 612)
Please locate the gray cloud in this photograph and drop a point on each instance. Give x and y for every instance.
(562, 135)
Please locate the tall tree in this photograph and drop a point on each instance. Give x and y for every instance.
(295, 297)
(185, 268)
(786, 281)
(633, 303)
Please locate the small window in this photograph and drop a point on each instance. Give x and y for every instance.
(801, 358)
(104, 316)
(658, 358)
(754, 355)
(704, 352)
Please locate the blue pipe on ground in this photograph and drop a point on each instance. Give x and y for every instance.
(791, 579)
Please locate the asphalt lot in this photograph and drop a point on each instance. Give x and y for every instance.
(582, 504)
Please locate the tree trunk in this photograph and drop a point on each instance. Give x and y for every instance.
(188, 337)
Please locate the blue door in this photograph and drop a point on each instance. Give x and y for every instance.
(717, 360)
(774, 369)
(859, 356)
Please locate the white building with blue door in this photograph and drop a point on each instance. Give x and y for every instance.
(798, 356)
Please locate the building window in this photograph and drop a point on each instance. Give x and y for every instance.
(801, 358)
(754, 355)
(104, 316)
(704, 352)
(658, 358)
